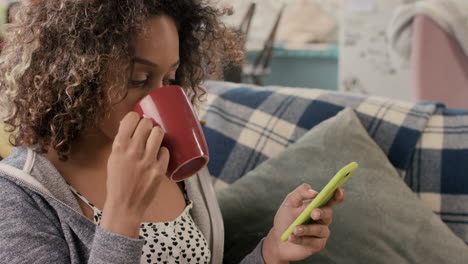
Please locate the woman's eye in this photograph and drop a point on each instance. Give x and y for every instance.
(138, 83)
(139, 80)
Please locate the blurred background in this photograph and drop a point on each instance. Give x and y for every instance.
(402, 49)
(355, 46)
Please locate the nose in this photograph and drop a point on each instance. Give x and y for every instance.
(157, 84)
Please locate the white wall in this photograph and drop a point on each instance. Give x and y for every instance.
(366, 63)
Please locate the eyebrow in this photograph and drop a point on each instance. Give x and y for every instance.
(152, 64)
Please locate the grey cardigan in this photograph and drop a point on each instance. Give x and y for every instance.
(41, 221)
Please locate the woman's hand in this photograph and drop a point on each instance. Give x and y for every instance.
(307, 239)
(135, 169)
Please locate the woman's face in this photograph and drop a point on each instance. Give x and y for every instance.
(155, 63)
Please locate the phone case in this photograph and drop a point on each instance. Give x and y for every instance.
(322, 198)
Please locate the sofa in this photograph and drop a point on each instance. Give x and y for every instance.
(426, 143)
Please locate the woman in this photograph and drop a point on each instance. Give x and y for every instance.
(86, 182)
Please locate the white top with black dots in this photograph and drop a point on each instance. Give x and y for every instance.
(176, 241)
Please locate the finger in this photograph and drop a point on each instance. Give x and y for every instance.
(154, 142)
(142, 133)
(324, 215)
(160, 166)
(313, 243)
(295, 198)
(315, 230)
(127, 126)
(304, 205)
(163, 157)
(337, 198)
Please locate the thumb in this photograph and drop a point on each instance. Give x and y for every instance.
(296, 198)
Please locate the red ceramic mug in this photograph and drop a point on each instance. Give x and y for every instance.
(170, 108)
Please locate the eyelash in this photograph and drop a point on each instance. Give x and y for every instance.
(172, 82)
(144, 82)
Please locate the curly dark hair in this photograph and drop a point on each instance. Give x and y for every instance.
(58, 57)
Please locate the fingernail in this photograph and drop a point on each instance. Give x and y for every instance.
(292, 238)
(315, 215)
(312, 191)
(298, 230)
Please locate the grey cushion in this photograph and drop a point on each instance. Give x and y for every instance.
(381, 220)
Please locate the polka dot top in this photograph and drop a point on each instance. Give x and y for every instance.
(176, 241)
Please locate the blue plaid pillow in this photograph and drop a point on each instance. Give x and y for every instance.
(426, 143)
(247, 124)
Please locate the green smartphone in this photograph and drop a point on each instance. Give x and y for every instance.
(322, 198)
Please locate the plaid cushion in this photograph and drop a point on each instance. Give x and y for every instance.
(247, 124)
(439, 171)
